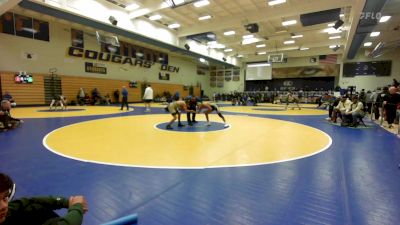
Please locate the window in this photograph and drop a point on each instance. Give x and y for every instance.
(23, 26)
(77, 38)
(41, 29)
(7, 23)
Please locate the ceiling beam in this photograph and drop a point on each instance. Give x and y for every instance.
(354, 19)
(6, 5)
(270, 14)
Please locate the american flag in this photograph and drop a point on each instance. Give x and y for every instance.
(328, 59)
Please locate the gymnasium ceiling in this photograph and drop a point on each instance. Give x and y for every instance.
(233, 15)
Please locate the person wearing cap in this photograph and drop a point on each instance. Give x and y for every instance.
(38, 210)
(355, 112)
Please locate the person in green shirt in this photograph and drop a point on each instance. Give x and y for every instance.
(38, 210)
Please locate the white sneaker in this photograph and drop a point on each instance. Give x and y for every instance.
(208, 124)
(226, 125)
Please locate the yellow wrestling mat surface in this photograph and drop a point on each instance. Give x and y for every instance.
(44, 112)
(274, 110)
(135, 141)
(155, 105)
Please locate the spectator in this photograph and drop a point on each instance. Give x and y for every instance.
(81, 97)
(379, 102)
(375, 104)
(390, 103)
(340, 109)
(355, 112)
(8, 96)
(6, 119)
(148, 97)
(96, 96)
(38, 210)
(116, 96)
(368, 102)
(395, 83)
(107, 99)
(124, 99)
(87, 99)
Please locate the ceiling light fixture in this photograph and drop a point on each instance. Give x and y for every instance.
(228, 33)
(297, 36)
(250, 41)
(259, 65)
(367, 44)
(261, 53)
(132, 7)
(289, 22)
(261, 46)
(332, 30)
(304, 48)
(248, 36)
(155, 17)
(333, 46)
(384, 19)
(239, 56)
(276, 2)
(334, 37)
(174, 25)
(375, 34)
(201, 3)
(288, 42)
(139, 12)
(228, 50)
(205, 17)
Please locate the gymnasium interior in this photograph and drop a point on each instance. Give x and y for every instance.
(273, 151)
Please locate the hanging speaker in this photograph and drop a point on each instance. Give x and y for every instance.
(112, 20)
(223, 58)
(187, 47)
(336, 48)
(338, 24)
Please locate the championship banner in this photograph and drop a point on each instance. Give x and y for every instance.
(328, 70)
(95, 68)
(163, 76)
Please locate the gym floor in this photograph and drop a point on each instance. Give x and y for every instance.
(270, 166)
